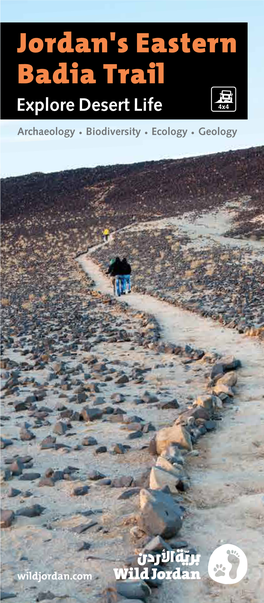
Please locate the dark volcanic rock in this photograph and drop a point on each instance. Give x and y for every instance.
(4, 442)
(33, 511)
(91, 414)
(26, 434)
(81, 490)
(29, 476)
(89, 441)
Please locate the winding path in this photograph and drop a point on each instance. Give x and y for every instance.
(228, 475)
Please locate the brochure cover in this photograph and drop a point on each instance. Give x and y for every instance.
(132, 301)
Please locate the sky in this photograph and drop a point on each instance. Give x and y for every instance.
(27, 154)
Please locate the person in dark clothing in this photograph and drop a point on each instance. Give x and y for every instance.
(115, 267)
(126, 273)
(115, 271)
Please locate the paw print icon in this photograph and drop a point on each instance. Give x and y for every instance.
(227, 564)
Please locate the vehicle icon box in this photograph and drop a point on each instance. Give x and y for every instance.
(223, 99)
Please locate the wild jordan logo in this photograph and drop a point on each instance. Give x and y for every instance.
(227, 564)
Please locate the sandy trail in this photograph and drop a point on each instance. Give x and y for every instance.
(204, 230)
(227, 476)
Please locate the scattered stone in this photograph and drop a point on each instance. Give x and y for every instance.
(60, 428)
(46, 481)
(26, 435)
(98, 401)
(7, 518)
(134, 435)
(133, 589)
(89, 441)
(80, 490)
(148, 427)
(149, 398)
(210, 425)
(48, 596)
(4, 442)
(85, 546)
(101, 449)
(13, 492)
(122, 379)
(105, 482)
(16, 467)
(19, 405)
(95, 475)
(29, 476)
(48, 442)
(33, 511)
(169, 404)
(120, 449)
(129, 493)
(178, 544)
(83, 527)
(91, 414)
(152, 447)
(156, 544)
(118, 398)
(132, 419)
(122, 482)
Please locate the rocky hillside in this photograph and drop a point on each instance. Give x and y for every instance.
(121, 194)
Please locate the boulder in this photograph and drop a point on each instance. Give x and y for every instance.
(229, 379)
(221, 388)
(205, 401)
(217, 369)
(160, 478)
(173, 455)
(177, 434)
(230, 363)
(165, 464)
(159, 514)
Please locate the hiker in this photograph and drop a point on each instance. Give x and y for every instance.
(115, 272)
(106, 234)
(126, 276)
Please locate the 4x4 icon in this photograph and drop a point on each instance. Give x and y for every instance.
(223, 99)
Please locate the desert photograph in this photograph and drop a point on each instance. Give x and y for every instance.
(132, 424)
